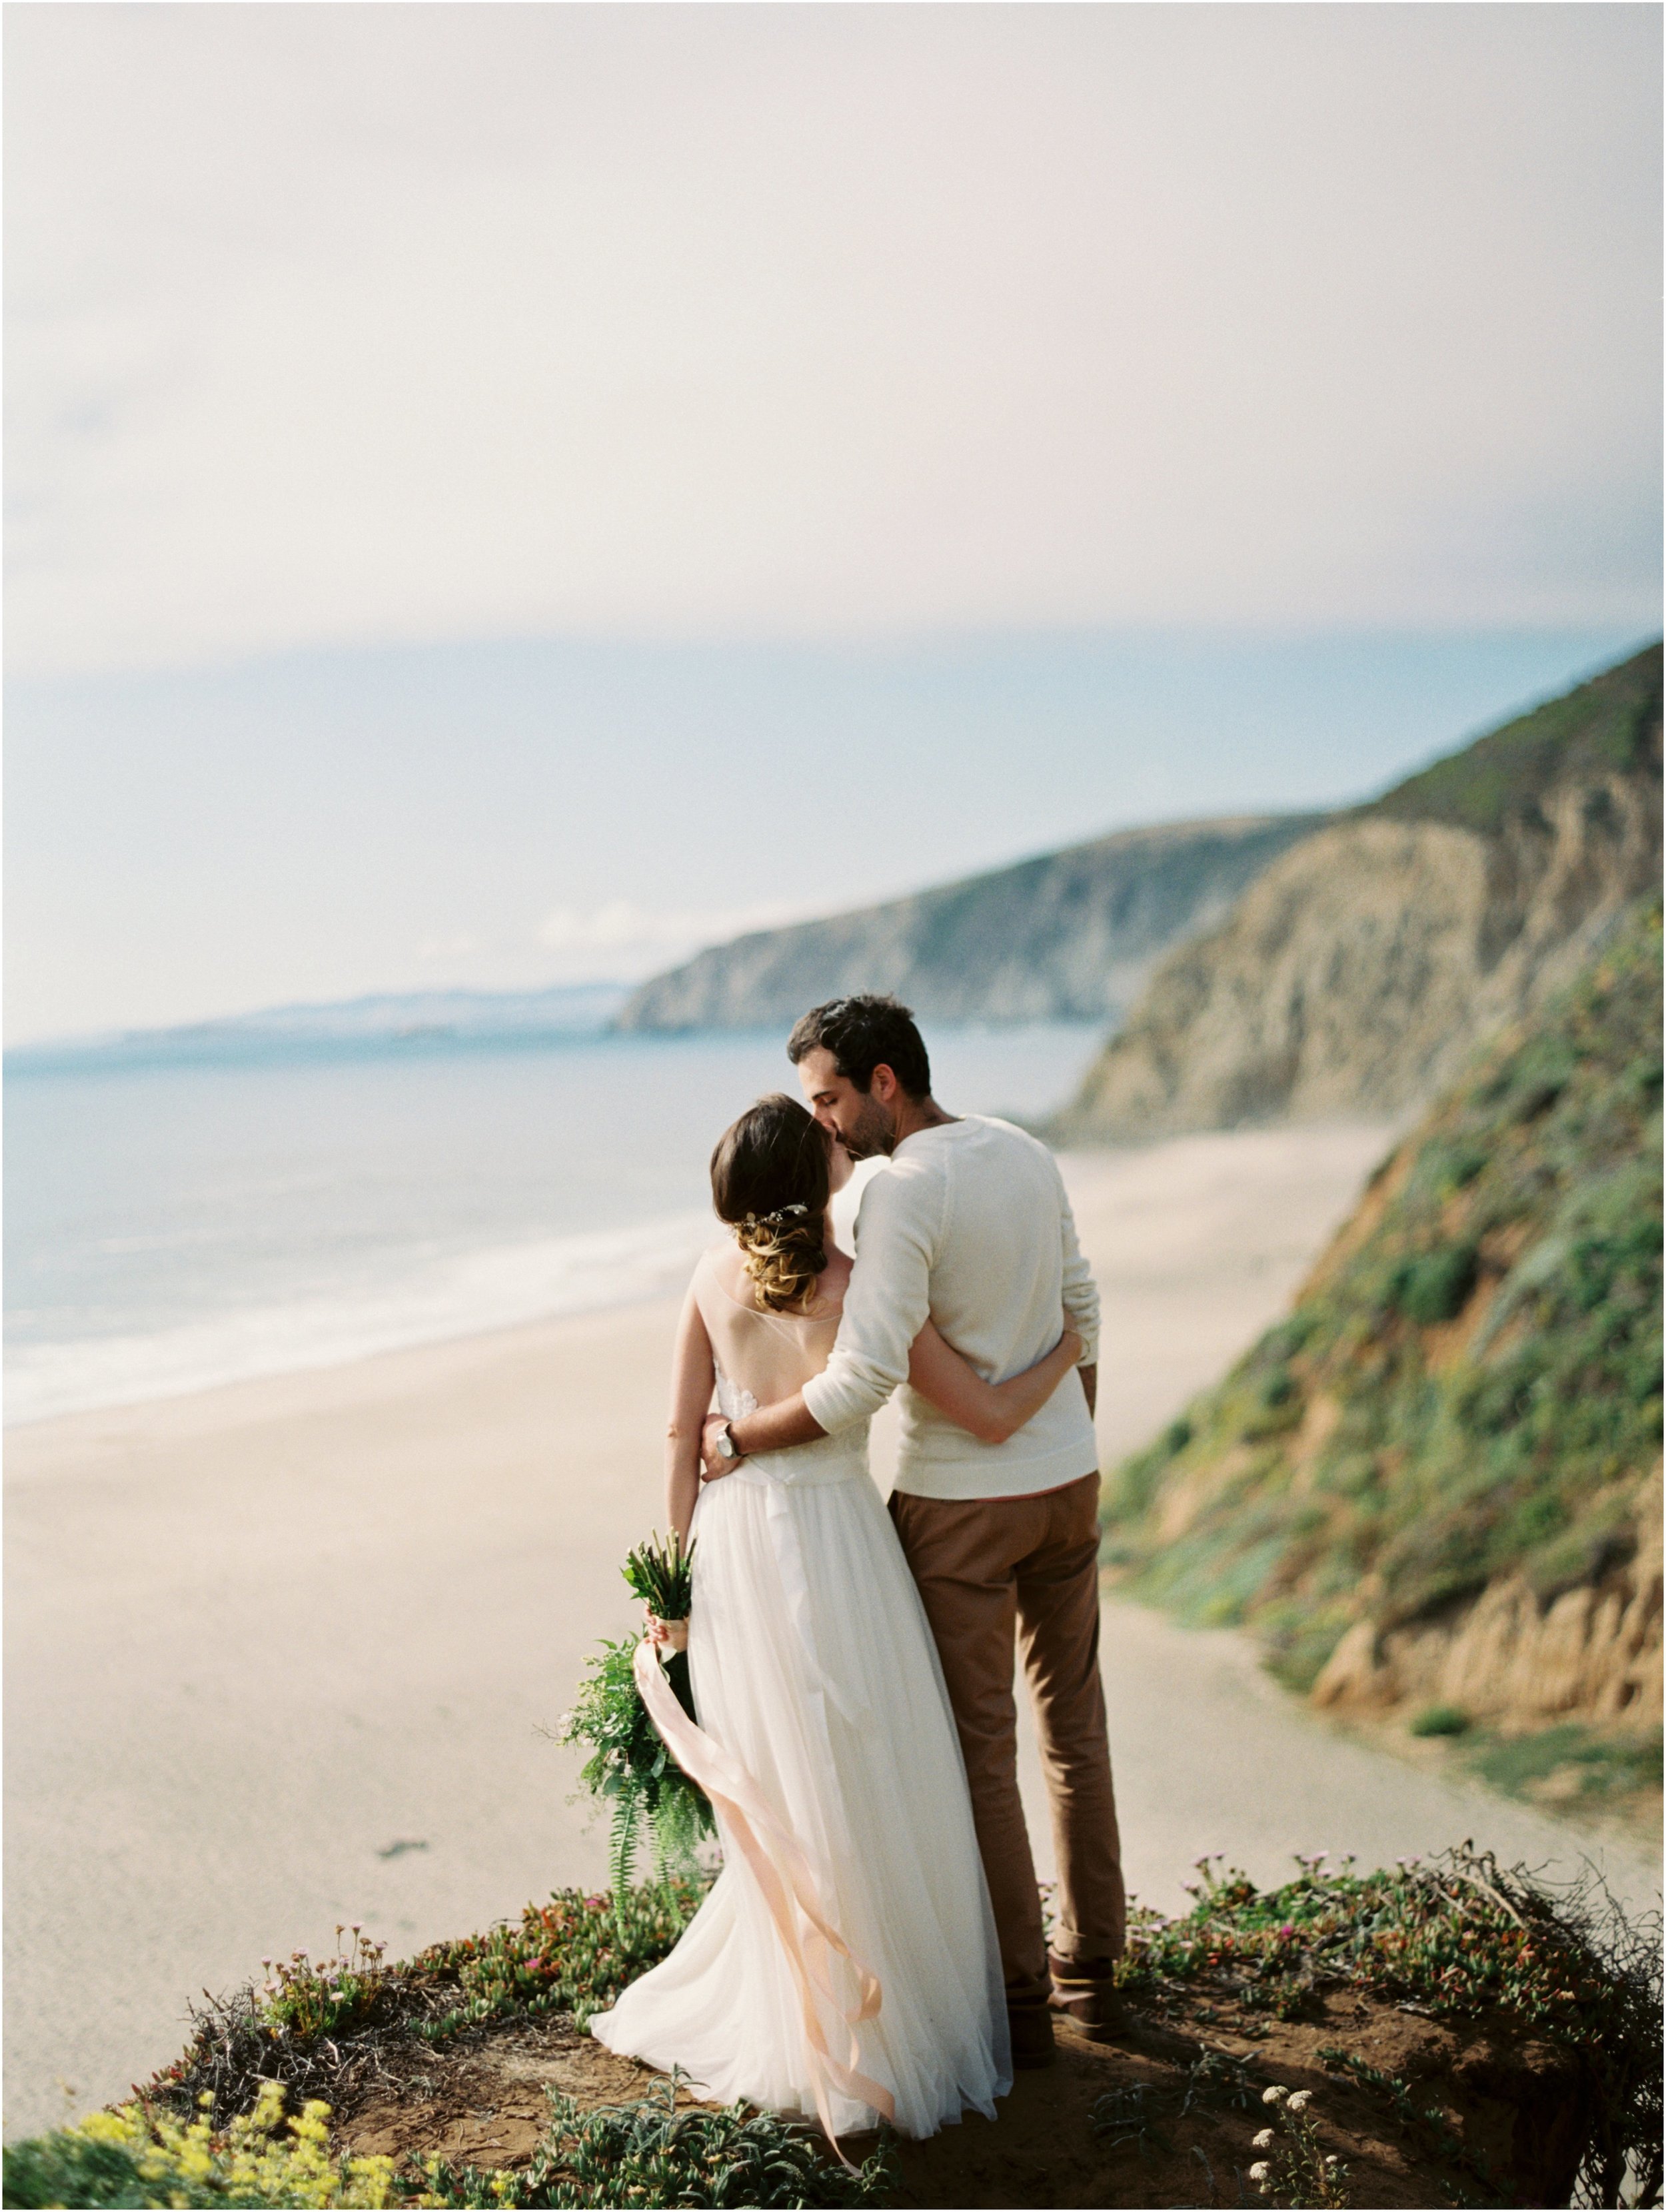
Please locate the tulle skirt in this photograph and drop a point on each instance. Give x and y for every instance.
(811, 1662)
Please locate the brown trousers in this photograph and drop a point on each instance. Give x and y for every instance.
(985, 1567)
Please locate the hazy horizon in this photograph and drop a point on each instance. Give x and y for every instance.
(1138, 733)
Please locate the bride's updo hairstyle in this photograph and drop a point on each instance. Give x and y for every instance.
(769, 1182)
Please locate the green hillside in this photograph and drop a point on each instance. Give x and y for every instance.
(1468, 1387)
(1607, 726)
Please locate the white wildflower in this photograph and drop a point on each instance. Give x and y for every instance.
(1301, 2100)
(1260, 2169)
(1276, 2096)
(1264, 2140)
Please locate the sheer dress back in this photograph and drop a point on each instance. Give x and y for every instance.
(771, 1354)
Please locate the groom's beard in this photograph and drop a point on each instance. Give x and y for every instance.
(872, 1134)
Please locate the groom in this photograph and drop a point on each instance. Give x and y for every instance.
(970, 1224)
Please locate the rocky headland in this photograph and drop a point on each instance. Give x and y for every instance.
(1069, 936)
(1261, 968)
(1360, 970)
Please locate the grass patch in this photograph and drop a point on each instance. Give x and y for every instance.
(1602, 726)
(1606, 1766)
(1214, 2081)
(1415, 2118)
(650, 2153)
(1435, 1287)
(1441, 1720)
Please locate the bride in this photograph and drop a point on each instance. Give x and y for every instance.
(844, 1962)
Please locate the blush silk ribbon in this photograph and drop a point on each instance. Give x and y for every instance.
(782, 1874)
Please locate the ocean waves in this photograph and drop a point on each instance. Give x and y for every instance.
(463, 1295)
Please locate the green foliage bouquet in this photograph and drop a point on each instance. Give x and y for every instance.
(654, 1800)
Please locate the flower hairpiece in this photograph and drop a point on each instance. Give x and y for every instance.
(771, 1220)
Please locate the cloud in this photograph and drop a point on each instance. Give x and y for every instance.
(349, 324)
(620, 940)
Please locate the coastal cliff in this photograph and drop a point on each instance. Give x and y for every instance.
(1442, 2033)
(1358, 970)
(1068, 936)
(1433, 1491)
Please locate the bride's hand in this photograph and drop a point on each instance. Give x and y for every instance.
(668, 1635)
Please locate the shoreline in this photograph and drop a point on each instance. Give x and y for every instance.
(383, 1376)
(1091, 1176)
(636, 1264)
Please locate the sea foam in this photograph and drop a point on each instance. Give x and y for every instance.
(462, 1296)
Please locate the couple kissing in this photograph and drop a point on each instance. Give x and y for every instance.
(874, 1947)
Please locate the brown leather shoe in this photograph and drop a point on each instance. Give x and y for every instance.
(1032, 2038)
(1084, 1990)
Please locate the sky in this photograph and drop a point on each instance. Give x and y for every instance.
(499, 493)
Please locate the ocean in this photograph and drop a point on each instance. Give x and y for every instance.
(200, 1206)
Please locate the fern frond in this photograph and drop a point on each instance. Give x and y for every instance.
(621, 1844)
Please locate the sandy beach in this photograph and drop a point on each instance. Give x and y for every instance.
(279, 1653)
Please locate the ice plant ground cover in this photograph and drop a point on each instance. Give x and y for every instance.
(1461, 2038)
(1461, 1939)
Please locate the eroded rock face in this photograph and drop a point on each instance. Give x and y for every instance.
(1343, 976)
(1359, 971)
(1512, 1658)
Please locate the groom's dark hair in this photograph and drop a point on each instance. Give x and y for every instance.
(866, 1030)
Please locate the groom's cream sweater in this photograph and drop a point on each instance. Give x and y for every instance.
(969, 1224)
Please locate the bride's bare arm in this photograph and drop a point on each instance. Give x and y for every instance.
(693, 1372)
(991, 1411)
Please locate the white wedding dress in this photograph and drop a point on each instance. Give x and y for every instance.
(812, 1664)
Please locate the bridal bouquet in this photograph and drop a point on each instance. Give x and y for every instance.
(654, 1800)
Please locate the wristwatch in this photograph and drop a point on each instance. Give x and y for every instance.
(724, 1444)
